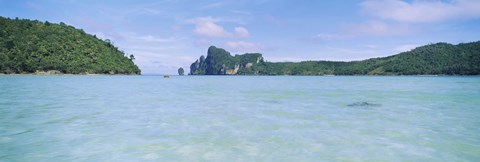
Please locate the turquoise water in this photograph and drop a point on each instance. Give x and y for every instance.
(239, 118)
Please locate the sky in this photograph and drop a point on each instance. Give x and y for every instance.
(164, 35)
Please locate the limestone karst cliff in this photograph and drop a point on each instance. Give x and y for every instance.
(220, 62)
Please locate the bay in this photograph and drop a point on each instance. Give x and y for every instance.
(239, 118)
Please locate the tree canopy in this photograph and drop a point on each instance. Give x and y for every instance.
(27, 46)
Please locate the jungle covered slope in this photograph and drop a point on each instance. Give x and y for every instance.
(433, 59)
(28, 46)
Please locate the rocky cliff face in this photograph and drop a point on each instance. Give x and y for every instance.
(220, 62)
(198, 67)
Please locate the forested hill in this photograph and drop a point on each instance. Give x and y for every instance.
(433, 59)
(29, 46)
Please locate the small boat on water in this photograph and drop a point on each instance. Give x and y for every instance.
(166, 76)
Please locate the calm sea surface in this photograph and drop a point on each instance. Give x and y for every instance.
(239, 118)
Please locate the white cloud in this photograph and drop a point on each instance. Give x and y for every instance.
(405, 47)
(370, 46)
(150, 38)
(275, 20)
(287, 59)
(241, 12)
(214, 5)
(202, 43)
(242, 32)
(149, 11)
(136, 37)
(398, 17)
(208, 27)
(352, 52)
(370, 28)
(331, 36)
(422, 11)
(379, 28)
(242, 46)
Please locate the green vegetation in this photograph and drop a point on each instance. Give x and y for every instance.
(28, 46)
(220, 62)
(433, 59)
(181, 71)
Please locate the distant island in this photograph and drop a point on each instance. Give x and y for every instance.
(433, 59)
(34, 47)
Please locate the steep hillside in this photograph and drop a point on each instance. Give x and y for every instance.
(28, 46)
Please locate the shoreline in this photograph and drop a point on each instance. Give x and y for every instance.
(33, 74)
(340, 75)
(63, 74)
(88, 74)
(57, 72)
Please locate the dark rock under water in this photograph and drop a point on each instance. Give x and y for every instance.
(363, 104)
